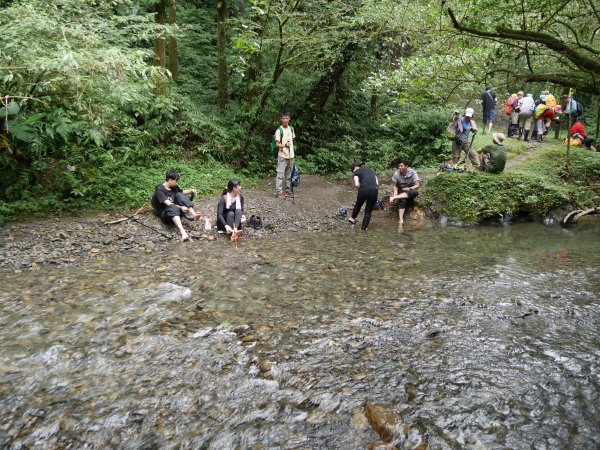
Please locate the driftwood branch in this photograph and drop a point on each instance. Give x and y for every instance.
(577, 214)
(124, 219)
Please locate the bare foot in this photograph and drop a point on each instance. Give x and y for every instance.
(184, 237)
(197, 217)
(352, 221)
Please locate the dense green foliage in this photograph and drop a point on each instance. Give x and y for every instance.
(90, 118)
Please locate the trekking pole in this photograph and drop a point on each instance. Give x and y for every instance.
(166, 236)
(468, 150)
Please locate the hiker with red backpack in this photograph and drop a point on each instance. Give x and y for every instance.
(284, 142)
(513, 116)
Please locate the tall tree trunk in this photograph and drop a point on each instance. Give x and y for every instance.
(159, 46)
(173, 67)
(222, 15)
(159, 43)
(319, 94)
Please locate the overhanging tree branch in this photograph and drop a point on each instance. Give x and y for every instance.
(546, 40)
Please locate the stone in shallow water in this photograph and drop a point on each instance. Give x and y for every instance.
(166, 292)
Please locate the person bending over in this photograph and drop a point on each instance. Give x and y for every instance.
(405, 184)
(578, 131)
(367, 184)
(171, 202)
(493, 157)
(230, 209)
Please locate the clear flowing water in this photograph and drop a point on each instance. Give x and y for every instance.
(470, 338)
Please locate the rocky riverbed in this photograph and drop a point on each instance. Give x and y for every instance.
(71, 239)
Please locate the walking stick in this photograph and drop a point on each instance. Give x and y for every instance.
(132, 217)
(467, 151)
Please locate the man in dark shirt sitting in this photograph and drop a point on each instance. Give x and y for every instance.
(171, 202)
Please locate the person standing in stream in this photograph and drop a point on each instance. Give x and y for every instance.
(367, 184)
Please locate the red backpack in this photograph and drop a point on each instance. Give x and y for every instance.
(508, 105)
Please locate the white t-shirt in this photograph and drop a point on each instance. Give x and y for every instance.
(288, 136)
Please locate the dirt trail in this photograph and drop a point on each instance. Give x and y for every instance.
(516, 161)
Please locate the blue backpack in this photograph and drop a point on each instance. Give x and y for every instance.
(295, 176)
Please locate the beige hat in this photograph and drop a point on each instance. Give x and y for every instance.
(469, 112)
(498, 138)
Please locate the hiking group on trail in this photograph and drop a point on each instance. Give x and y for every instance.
(523, 110)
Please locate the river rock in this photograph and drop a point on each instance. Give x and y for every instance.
(382, 420)
(265, 365)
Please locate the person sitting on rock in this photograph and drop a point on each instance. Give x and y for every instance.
(405, 184)
(230, 209)
(171, 202)
(493, 157)
(578, 131)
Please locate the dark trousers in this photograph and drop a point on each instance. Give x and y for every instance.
(234, 217)
(364, 196)
(172, 210)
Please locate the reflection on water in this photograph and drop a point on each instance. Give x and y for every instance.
(477, 338)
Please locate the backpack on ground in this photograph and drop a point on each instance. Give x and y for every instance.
(274, 148)
(540, 110)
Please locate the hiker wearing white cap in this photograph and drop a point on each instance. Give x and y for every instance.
(493, 156)
(464, 126)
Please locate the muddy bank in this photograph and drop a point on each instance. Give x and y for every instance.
(70, 239)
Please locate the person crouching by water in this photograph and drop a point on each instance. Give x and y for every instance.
(405, 184)
(230, 209)
(367, 184)
(171, 202)
(493, 157)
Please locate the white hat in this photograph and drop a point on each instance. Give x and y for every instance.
(469, 112)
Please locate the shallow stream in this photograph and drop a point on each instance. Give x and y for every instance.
(469, 338)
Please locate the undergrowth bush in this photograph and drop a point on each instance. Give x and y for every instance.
(124, 188)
